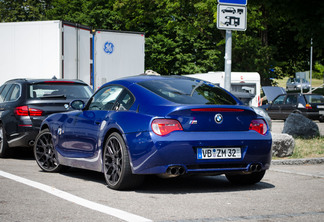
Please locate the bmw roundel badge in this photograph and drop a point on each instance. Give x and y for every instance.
(218, 118)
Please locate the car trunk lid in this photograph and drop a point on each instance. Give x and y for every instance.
(214, 118)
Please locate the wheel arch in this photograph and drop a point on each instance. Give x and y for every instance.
(108, 133)
(297, 111)
(44, 126)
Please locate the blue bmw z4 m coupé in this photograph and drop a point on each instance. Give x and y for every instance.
(162, 125)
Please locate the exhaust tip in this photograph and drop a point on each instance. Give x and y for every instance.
(258, 167)
(176, 170)
(255, 167)
(31, 142)
(252, 168)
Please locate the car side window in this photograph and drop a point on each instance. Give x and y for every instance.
(291, 99)
(1, 89)
(125, 101)
(105, 98)
(4, 92)
(279, 100)
(14, 93)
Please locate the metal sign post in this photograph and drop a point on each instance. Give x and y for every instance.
(231, 15)
(228, 60)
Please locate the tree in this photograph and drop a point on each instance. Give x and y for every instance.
(23, 10)
(181, 35)
(99, 14)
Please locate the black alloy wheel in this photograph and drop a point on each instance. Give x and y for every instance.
(44, 152)
(117, 170)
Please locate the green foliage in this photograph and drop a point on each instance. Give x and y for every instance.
(23, 10)
(182, 37)
(306, 148)
(319, 71)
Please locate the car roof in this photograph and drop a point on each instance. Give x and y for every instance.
(126, 81)
(35, 81)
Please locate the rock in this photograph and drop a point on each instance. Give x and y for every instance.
(283, 145)
(298, 125)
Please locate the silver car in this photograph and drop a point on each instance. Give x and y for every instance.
(296, 84)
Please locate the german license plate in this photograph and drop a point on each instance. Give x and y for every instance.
(218, 153)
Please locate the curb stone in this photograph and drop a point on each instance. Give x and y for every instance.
(319, 160)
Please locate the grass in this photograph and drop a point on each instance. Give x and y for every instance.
(308, 148)
(315, 82)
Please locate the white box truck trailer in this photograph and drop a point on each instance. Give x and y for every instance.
(117, 54)
(244, 85)
(44, 49)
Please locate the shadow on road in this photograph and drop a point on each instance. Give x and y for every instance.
(154, 184)
(179, 185)
(86, 175)
(21, 153)
(195, 184)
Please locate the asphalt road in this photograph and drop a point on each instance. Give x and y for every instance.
(287, 193)
(278, 125)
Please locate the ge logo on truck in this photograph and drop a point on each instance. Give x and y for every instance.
(108, 47)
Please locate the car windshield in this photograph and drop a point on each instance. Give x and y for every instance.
(314, 98)
(187, 91)
(59, 91)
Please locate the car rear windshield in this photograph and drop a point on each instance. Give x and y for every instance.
(187, 91)
(59, 91)
(314, 98)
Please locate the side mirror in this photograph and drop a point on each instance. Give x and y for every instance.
(77, 104)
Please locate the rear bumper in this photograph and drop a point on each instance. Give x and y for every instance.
(152, 154)
(312, 115)
(25, 137)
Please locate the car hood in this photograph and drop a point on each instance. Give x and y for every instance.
(271, 92)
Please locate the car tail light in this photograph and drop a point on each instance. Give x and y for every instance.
(308, 106)
(259, 126)
(163, 127)
(26, 111)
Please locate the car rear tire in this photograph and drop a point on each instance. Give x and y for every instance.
(5, 151)
(117, 169)
(245, 179)
(44, 152)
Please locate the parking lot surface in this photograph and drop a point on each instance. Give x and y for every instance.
(287, 193)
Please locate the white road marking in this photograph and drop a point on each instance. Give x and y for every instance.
(75, 199)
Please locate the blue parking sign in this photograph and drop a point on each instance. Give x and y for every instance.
(237, 2)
